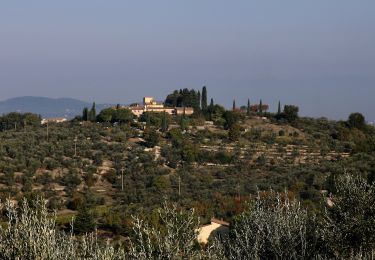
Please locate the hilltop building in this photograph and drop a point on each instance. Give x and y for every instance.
(53, 120)
(151, 105)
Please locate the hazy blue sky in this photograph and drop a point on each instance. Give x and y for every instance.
(316, 54)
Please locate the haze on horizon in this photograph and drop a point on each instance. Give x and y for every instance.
(318, 55)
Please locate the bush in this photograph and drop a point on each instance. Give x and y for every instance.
(349, 225)
(31, 234)
(177, 241)
(273, 227)
(151, 137)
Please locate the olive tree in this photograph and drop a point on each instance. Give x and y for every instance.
(349, 224)
(272, 227)
(31, 233)
(176, 241)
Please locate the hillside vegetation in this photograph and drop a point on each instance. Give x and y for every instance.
(215, 162)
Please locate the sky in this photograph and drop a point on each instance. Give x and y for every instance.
(318, 54)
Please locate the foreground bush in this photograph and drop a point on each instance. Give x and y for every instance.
(276, 227)
(175, 239)
(272, 227)
(31, 234)
(349, 225)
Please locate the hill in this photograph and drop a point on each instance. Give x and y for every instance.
(214, 161)
(46, 107)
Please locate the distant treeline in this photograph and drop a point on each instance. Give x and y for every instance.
(187, 98)
(17, 120)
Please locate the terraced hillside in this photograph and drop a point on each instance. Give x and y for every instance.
(120, 169)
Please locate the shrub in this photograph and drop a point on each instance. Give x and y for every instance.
(177, 241)
(273, 227)
(349, 225)
(31, 234)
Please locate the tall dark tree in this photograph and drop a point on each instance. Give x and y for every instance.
(184, 97)
(357, 120)
(248, 110)
(164, 123)
(184, 122)
(147, 119)
(93, 112)
(204, 98)
(84, 222)
(212, 102)
(279, 108)
(290, 113)
(199, 100)
(85, 114)
(260, 107)
(234, 105)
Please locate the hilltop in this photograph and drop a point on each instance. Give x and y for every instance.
(108, 166)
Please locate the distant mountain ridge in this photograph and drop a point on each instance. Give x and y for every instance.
(47, 107)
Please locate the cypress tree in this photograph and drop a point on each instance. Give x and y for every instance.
(260, 107)
(279, 108)
(248, 107)
(199, 99)
(93, 112)
(164, 123)
(85, 114)
(234, 104)
(148, 120)
(84, 222)
(204, 98)
(212, 102)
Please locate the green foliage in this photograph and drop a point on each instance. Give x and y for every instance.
(290, 113)
(231, 118)
(106, 115)
(164, 123)
(357, 120)
(84, 222)
(17, 121)
(92, 113)
(175, 135)
(349, 225)
(183, 98)
(31, 233)
(184, 122)
(273, 227)
(217, 173)
(151, 137)
(85, 114)
(176, 240)
(248, 108)
(121, 115)
(204, 99)
(215, 113)
(159, 120)
(234, 132)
